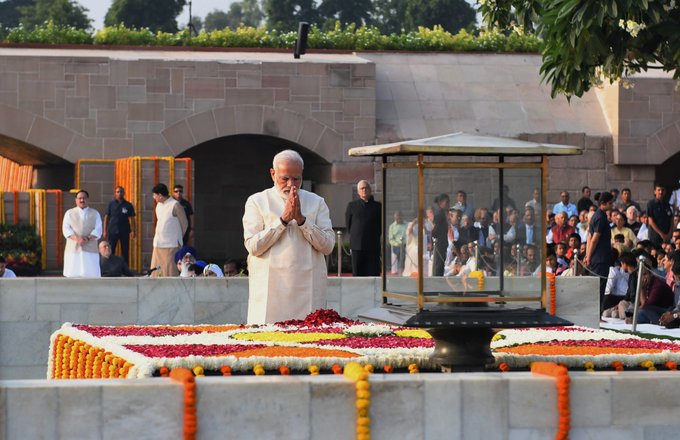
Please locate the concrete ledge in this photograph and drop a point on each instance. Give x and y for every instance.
(424, 406)
(32, 308)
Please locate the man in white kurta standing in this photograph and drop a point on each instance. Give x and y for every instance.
(82, 227)
(171, 223)
(287, 231)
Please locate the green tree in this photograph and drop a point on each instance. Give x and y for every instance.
(284, 15)
(347, 11)
(157, 15)
(10, 15)
(389, 15)
(251, 14)
(587, 42)
(245, 12)
(452, 15)
(216, 20)
(60, 12)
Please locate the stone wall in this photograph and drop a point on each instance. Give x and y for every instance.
(432, 406)
(31, 309)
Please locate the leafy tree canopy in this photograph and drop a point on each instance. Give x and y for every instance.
(284, 15)
(10, 16)
(589, 41)
(347, 11)
(452, 15)
(60, 12)
(157, 15)
(245, 12)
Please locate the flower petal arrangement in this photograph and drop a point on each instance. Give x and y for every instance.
(580, 347)
(326, 342)
(322, 340)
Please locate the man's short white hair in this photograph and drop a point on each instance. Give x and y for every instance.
(288, 156)
(632, 208)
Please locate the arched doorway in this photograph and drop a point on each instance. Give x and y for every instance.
(668, 173)
(227, 170)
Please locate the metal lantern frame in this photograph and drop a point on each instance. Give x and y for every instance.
(490, 153)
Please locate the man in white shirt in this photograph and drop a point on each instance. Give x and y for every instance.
(287, 231)
(82, 227)
(565, 206)
(171, 225)
(4, 272)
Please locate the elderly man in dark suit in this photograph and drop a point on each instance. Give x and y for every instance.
(363, 217)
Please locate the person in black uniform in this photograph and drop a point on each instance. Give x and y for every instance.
(363, 217)
(598, 250)
(119, 223)
(659, 215)
(177, 194)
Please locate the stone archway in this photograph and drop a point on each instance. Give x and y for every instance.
(264, 120)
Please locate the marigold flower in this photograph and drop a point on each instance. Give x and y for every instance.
(284, 370)
(362, 403)
(258, 370)
(503, 367)
(336, 369)
(313, 370)
(388, 369)
(164, 371)
(671, 365)
(368, 368)
(198, 371)
(225, 370)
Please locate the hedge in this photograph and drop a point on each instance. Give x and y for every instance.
(340, 38)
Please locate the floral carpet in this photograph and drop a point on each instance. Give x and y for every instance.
(325, 342)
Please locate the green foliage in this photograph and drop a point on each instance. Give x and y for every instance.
(338, 38)
(588, 42)
(60, 12)
(284, 15)
(452, 15)
(49, 33)
(156, 15)
(10, 15)
(245, 12)
(20, 245)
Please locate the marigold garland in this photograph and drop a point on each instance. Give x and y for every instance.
(313, 370)
(671, 365)
(225, 370)
(355, 372)
(553, 292)
(336, 369)
(561, 376)
(284, 370)
(413, 369)
(617, 365)
(258, 370)
(184, 376)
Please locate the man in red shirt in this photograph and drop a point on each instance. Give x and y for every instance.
(562, 230)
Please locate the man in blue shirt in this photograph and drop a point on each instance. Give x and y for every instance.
(565, 206)
(119, 223)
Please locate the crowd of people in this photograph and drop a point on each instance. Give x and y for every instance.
(602, 235)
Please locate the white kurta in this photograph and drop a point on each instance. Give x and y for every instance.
(286, 265)
(77, 262)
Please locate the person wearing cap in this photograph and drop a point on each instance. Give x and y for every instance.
(170, 226)
(286, 231)
(213, 270)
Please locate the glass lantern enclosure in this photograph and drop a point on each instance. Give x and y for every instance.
(464, 222)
